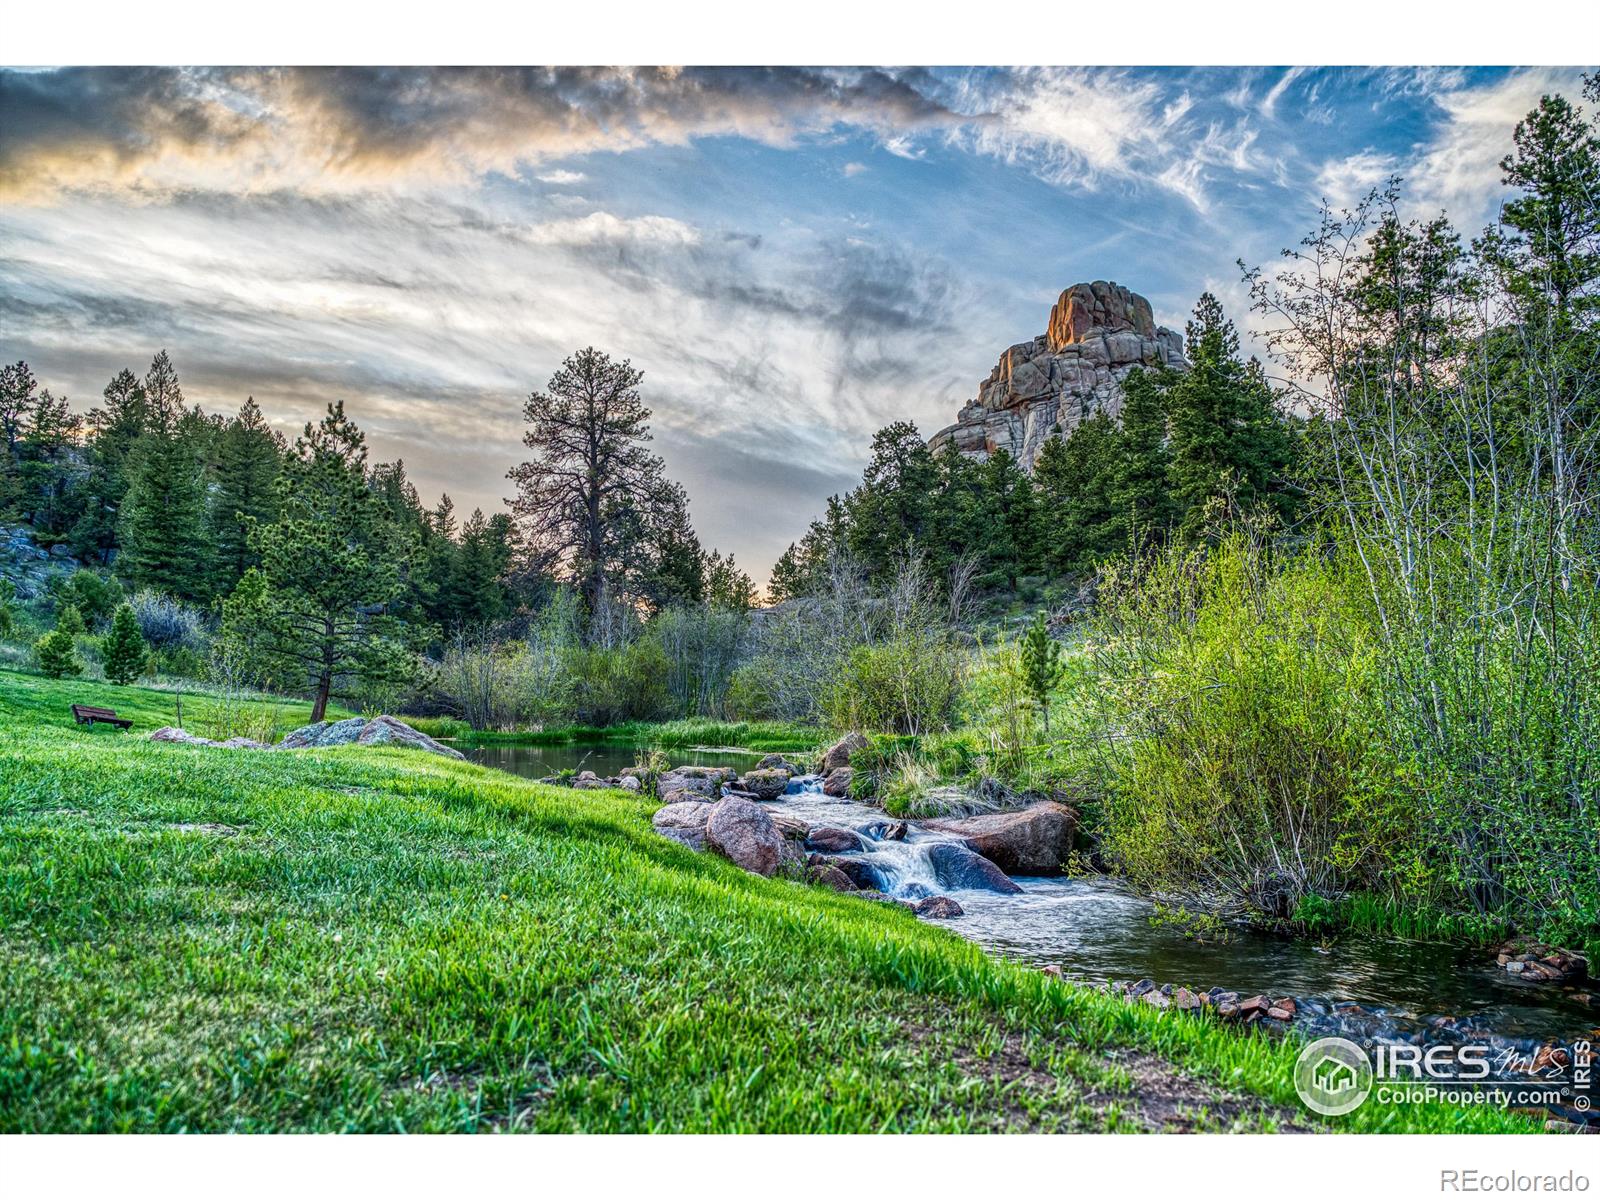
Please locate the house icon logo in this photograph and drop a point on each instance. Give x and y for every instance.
(1332, 1076)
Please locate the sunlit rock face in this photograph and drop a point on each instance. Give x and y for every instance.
(1098, 332)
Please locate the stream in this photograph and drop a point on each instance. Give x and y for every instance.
(1097, 931)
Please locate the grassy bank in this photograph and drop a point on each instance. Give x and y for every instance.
(355, 939)
(766, 736)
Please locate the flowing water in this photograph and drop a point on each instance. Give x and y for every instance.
(1097, 931)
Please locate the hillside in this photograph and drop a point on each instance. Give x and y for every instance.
(368, 940)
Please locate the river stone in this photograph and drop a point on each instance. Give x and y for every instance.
(1034, 841)
(743, 834)
(958, 868)
(764, 785)
(838, 782)
(830, 876)
(831, 840)
(838, 754)
(792, 828)
(777, 762)
(884, 831)
(937, 908)
(684, 822)
(862, 873)
(707, 781)
(588, 780)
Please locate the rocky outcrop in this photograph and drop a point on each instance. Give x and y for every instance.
(1098, 333)
(171, 733)
(363, 731)
(1034, 841)
(742, 833)
(353, 731)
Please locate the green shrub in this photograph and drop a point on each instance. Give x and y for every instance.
(1231, 706)
(622, 684)
(56, 654)
(908, 684)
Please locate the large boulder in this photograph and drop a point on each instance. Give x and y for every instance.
(838, 782)
(707, 781)
(777, 762)
(363, 731)
(958, 868)
(1034, 841)
(742, 833)
(838, 754)
(685, 822)
(764, 785)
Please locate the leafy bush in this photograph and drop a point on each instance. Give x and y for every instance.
(905, 685)
(168, 624)
(1231, 707)
(626, 683)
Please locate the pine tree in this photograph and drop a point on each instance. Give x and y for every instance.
(592, 488)
(328, 568)
(891, 508)
(727, 587)
(124, 650)
(163, 396)
(485, 555)
(1041, 666)
(1011, 517)
(162, 526)
(114, 430)
(70, 620)
(1141, 504)
(57, 655)
(1228, 443)
(249, 456)
(44, 467)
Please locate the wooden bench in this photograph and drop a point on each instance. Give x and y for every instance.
(88, 714)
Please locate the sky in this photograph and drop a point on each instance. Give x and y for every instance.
(793, 257)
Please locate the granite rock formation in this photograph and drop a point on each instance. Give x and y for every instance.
(1097, 334)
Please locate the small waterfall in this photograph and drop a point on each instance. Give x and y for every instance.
(902, 864)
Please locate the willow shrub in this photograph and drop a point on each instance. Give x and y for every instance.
(1231, 706)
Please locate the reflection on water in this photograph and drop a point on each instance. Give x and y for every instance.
(1097, 931)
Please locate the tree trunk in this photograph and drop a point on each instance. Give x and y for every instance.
(319, 706)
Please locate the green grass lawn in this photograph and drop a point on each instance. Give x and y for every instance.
(358, 939)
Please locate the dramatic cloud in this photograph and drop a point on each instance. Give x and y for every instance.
(338, 128)
(794, 257)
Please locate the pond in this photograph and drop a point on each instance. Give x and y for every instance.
(1097, 931)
